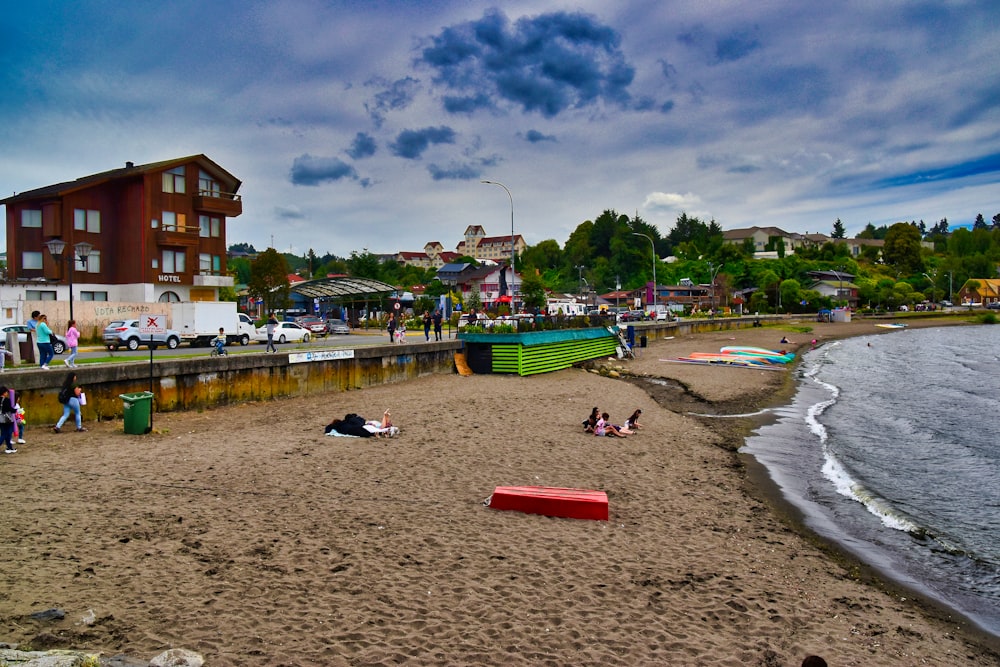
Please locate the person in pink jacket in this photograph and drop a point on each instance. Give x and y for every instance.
(72, 341)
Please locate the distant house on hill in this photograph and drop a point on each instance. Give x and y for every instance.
(980, 290)
(771, 242)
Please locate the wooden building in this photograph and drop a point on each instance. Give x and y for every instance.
(156, 232)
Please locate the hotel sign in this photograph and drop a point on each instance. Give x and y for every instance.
(168, 278)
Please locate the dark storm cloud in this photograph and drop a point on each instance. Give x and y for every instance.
(309, 170)
(546, 63)
(411, 144)
(363, 146)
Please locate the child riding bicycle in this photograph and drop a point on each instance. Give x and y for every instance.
(220, 343)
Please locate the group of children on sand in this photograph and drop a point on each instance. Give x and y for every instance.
(11, 421)
(599, 423)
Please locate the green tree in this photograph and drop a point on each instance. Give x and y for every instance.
(532, 291)
(838, 230)
(791, 295)
(902, 249)
(269, 280)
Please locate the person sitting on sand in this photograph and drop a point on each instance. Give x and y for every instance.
(605, 427)
(784, 340)
(632, 423)
(591, 422)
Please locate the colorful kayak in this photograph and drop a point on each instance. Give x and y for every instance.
(777, 356)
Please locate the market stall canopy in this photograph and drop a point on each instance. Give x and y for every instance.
(344, 288)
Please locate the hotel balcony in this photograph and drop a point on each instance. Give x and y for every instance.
(178, 236)
(220, 203)
(209, 279)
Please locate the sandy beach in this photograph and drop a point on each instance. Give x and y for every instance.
(246, 535)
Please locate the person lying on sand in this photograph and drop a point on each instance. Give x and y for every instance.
(356, 425)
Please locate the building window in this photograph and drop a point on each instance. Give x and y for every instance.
(173, 261)
(204, 262)
(31, 261)
(174, 222)
(209, 226)
(169, 297)
(216, 263)
(93, 263)
(173, 180)
(93, 296)
(87, 221)
(208, 185)
(31, 218)
(39, 295)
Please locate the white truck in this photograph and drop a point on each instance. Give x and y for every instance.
(565, 307)
(199, 322)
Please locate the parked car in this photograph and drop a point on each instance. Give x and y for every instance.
(337, 327)
(284, 332)
(993, 305)
(126, 333)
(58, 342)
(313, 324)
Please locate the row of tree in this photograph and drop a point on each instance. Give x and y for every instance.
(615, 251)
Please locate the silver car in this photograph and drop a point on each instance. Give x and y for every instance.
(337, 327)
(126, 333)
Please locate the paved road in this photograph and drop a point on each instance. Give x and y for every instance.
(358, 339)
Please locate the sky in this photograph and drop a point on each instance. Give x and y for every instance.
(361, 126)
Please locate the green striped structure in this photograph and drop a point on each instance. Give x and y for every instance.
(544, 351)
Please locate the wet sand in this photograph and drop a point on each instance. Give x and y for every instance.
(245, 534)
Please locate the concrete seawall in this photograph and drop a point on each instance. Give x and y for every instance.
(203, 382)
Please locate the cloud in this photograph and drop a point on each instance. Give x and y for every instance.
(454, 171)
(467, 103)
(547, 63)
(411, 144)
(671, 202)
(735, 46)
(290, 212)
(395, 96)
(534, 137)
(309, 170)
(363, 146)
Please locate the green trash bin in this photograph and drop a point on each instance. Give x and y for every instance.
(137, 410)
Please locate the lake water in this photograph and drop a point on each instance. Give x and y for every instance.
(890, 448)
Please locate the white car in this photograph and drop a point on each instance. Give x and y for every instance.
(58, 344)
(284, 332)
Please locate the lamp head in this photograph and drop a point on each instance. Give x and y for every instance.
(56, 247)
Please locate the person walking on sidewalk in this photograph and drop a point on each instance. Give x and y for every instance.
(72, 342)
(44, 341)
(272, 323)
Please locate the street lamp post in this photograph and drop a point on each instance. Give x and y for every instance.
(511, 197)
(713, 273)
(81, 251)
(933, 289)
(581, 280)
(653, 247)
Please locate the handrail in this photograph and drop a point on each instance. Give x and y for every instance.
(217, 194)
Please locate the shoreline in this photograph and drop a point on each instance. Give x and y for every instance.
(244, 534)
